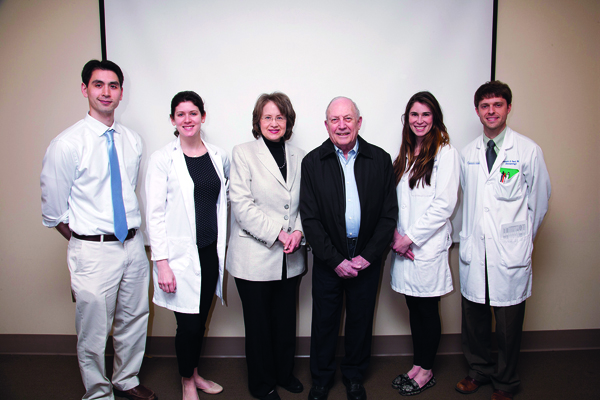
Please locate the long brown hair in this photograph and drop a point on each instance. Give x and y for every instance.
(422, 165)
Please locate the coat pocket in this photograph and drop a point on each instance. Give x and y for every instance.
(515, 245)
(509, 190)
(429, 276)
(180, 255)
(419, 191)
(431, 249)
(466, 248)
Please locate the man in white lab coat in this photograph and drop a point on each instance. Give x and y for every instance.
(506, 189)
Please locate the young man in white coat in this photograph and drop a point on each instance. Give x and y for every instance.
(506, 189)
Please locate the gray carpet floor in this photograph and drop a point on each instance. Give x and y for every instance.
(544, 375)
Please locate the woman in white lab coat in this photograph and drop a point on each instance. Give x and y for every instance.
(186, 193)
(427, 173)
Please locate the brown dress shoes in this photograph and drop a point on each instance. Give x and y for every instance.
(501, 395)
(137, 393)
(468, 385)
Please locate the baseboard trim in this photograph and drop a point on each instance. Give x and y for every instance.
(163, 346)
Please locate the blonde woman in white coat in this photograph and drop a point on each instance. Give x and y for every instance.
(265, 254)
(186, 193)
(427, 176)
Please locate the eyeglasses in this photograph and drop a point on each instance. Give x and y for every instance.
(269, 118)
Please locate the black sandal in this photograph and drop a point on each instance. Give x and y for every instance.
(399, 381)
(411, 387)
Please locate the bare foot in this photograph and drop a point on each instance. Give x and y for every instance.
(206, 386)
(189, 389)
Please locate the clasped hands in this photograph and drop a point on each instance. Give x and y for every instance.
(401, 245)
(168, 284)
(291, 242)
(350, 268)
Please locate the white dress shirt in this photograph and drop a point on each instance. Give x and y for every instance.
(75, 177)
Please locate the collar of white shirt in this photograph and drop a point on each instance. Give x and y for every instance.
(98, 127)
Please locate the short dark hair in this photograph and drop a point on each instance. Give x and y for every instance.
(105, 65)
(283, 103)
(493, 89)
(184, 96)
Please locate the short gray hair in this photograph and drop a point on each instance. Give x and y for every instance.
(356, 110)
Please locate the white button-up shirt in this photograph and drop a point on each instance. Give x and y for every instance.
(75, 178)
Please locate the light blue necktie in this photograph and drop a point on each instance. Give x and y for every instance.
(119, 217)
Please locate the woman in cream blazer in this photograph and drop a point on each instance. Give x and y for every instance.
(188, 257)
(265, 254)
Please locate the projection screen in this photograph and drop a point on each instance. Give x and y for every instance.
(378, 52)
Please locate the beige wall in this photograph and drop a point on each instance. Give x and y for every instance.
(548, 51)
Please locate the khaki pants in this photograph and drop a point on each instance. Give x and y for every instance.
(110, 284)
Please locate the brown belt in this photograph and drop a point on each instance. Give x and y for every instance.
(107, 238)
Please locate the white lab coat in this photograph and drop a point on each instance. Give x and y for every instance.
(501, 219)
(171, 223)
(425, 217)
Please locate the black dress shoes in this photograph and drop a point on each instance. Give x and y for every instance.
(318, 393)
(295, 386)
(354, 389)
(272, 395)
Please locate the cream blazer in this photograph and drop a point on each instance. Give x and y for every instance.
(262, 204)
(171, 224)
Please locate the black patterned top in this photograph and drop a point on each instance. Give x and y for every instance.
(207, 187)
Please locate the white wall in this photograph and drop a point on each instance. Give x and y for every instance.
(548, 52)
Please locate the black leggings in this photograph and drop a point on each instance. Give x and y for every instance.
(191, 327)
(425, 327)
